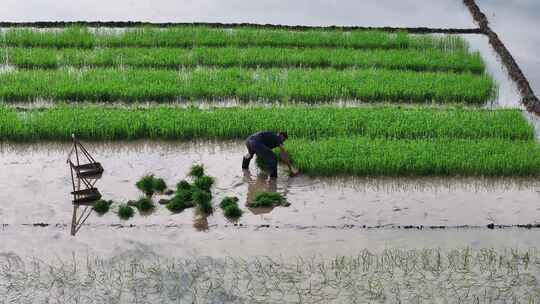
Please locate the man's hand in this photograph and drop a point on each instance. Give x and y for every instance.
(285, 158)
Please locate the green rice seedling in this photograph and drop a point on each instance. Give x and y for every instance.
(232, 211)
(102, 206)
(251, 57)
(294, 85)
(173, 123)
(178, 204)
(185, 195)
(73, 36)
(227, 201)
(260, 163)
(268, 199)
(420, 157)
(125, 212)
(145, 205)
(204, 182)
(189, 36)
(183, 185)
(203, 201)
(196, 171)
(159, 185)
(146, 184)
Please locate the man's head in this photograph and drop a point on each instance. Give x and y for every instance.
(283, 136)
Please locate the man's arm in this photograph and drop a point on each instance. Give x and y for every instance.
(285, 158)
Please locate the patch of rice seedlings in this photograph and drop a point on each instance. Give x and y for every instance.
(125, 212)
(232, 211)
(184, 185)
(293, 85)
(204, 182)
(189, 36)
(146, 184)
(203, 201)
(250, 57)
(177, 204)
(261, 163)
(267, 200)
(144, 205)
(227, 201)
(173, 123)
(159, 185)
(362, 156)
(196, 171)
(101, 207)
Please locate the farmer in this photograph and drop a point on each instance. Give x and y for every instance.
(262, 143)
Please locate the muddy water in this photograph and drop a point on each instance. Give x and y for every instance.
(35, 185)
(508, 95)
(443, 13)
(325, 218)
(55, 242)
(516, 23)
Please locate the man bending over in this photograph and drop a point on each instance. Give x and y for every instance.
(262, 143)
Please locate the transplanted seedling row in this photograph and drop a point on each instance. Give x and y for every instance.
(105, 123)
(362, 156)
(189, 36)
(248, 85)
(252, 57)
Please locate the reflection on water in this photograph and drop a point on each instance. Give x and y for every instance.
(440, 13)
(258, 183)
(516, 23)
(507, 95)
(35, 186)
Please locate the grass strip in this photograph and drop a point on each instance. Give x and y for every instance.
(267, 57)
(270, 85)
(188, 36)
(173, 123)
(372, 157)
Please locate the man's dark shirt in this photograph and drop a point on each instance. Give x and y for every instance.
(269, 139)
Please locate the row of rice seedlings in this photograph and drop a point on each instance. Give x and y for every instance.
(265, 85)
(164, 122)
(188, 36)
(370, 157)
(173, 58)
(392, 275)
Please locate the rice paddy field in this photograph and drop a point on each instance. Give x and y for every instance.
(418, 183)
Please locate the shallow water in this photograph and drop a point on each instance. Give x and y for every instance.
(517, 23)
(442, 13)
(35, 185)
(508, 95)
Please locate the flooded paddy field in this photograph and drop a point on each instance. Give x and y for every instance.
(515, 22)
(339, 240)
(413, 13)
(35, 189)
